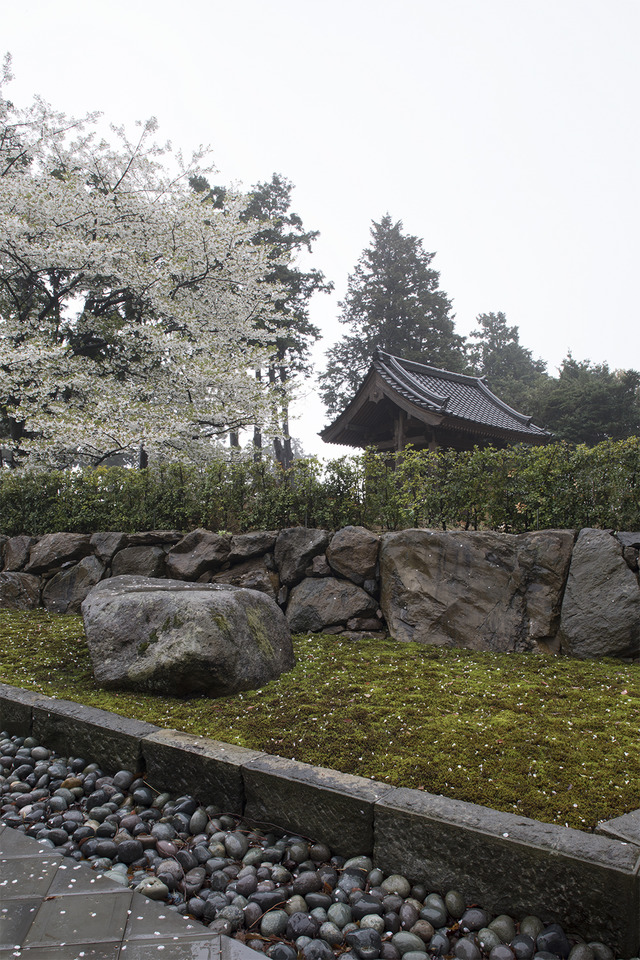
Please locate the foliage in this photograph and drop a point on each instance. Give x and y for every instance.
(393, 303)
(515, 489)
(127, 304)
(589, 403)
(281, 232)
(548, 738)
(494, 351)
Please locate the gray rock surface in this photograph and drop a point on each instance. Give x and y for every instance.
(19, 591)
(318, 567)
(142, 561)
(485, 591)
(16, 552)
(54, 549)
(318, 603)
(628, 538)
(295, 549)
(170, 637)
(197, 553)
(246, 545)
(65, 591)
(253, 574)
(353, 552)
(104, 545)
(601, 606)
(149, 538)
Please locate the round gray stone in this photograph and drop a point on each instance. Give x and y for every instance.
(274, 923)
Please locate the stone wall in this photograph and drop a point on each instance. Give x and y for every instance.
(547, 591)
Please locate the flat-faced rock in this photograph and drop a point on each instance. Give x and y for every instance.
(601, 606)
(54, 549)
(19, 591)
(200, 551)
(353, 552)
(484, 590)
(295, 549)
(65, 591)
(140, 561)
(316, 604)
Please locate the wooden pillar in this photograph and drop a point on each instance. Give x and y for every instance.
(399, 431)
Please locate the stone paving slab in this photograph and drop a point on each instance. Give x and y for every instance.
(53, 908)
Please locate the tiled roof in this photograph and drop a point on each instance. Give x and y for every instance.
(453, 395)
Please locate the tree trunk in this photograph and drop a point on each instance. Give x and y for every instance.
(257, 444)
(282, 445)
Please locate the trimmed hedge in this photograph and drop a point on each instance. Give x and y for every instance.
(516, 489)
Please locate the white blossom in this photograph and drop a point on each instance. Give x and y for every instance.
(128, 305)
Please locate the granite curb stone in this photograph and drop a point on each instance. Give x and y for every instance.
(177, 762)
(335, 808)
(16, 707)
(625, 828)
(112, 740)
(513, 864)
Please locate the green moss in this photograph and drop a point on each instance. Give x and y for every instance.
(544, 737)
(259, 634)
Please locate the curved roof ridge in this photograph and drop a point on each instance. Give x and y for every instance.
(428, 369)
(488, 392)
(409, 383)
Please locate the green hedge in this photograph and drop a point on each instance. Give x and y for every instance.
(517, 489)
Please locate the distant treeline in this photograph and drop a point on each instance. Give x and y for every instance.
(517, 489)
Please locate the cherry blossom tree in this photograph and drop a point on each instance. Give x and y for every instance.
(127, 304)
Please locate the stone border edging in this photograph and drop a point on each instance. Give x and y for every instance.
(508, 863)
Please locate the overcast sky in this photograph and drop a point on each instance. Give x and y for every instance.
(504, 133)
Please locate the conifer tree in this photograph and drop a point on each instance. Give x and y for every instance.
(393, 303)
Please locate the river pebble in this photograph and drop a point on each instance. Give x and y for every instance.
(284, 896)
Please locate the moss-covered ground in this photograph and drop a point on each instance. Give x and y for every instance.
(546, 737)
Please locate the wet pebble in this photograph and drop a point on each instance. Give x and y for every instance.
(285, 896)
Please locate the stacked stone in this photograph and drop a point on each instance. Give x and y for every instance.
(285, 896)
(325, 582)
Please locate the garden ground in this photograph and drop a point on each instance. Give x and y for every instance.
(545, 737)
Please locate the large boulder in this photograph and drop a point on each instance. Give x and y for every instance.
(177, 638)
(316, 604)
(295, 549)
(197, 553)
(16, 552)
(144, 561)
(485, 591)
(19, 591)
(55, 549)
(65, 591)
(601, 606)
(353, 552)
